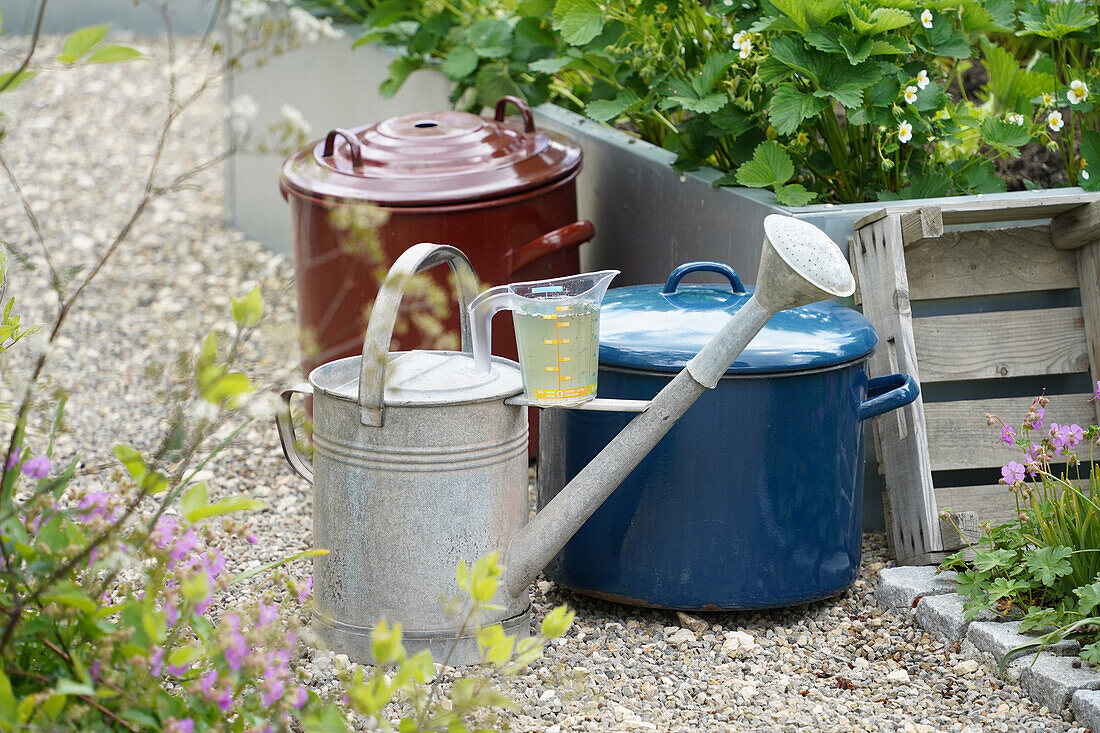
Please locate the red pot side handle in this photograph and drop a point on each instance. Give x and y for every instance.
(568, 236)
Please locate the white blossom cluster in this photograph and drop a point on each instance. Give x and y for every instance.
(241, 113)
(251, 18)
(310, 30)
(285, 135)
(242, 14)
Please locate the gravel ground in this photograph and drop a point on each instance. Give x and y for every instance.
(79, 141)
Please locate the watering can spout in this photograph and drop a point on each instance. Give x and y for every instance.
(799, 265)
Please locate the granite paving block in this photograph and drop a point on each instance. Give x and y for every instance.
(943, 614)
(1052, 680)
(999, 638)
(1086, 708)
(901, 587)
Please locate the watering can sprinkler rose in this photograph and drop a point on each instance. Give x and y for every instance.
(420, 457)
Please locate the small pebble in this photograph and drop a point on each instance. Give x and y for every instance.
(694, 623)
(966, 667)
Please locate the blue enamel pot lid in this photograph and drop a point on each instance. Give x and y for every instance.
(655, 328)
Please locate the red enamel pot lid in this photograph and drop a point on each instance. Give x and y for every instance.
(431, 158)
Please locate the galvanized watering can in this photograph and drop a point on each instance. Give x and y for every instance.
(420, 462)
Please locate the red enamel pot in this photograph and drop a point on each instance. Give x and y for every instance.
(500, 190)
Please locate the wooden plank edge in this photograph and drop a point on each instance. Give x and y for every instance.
(932, 558)
(920, 226)
(959, 530)
(1077, 227)
(918, 222)
(978, 208)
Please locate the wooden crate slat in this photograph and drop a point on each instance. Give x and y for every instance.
(901, 435)
(995, 504)
(1088, 269)
(981, 210)
(976, 346)
(1076, 227)
(1001, 344)
(970, 212)
(958, 436)
(988, 262)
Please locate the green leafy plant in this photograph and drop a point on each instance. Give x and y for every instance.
(1067, 36)
(408, 688)
(11, 328)
(853, 101)
(115, 610)
(105, 594)
(1043, 568)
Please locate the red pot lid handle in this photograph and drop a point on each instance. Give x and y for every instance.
(356, 151)
(523, 107)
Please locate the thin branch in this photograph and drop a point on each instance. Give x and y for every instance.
(151, 193)
(55, 280)
(30, 54)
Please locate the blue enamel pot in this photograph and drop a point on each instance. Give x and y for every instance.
(753, 499)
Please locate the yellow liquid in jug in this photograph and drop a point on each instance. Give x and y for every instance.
(559, 352)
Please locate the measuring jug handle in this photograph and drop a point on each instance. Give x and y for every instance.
(482, 309)
(285, 425)
(376, 342)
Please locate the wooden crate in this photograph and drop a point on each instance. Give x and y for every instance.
(901, 256)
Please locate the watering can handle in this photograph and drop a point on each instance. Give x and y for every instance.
(688, 267)
(376, 342)
(285, 425)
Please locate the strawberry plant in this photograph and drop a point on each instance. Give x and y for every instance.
(834, 100)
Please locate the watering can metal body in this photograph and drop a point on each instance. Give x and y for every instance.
(421, 462)
(421, 470)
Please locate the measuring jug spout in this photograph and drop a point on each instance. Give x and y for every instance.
(557, 332)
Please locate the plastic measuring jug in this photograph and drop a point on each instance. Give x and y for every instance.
(557, 325)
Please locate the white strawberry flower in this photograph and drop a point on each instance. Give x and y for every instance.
(738, 37)
(926, 18)
(922, 79)
(1078, 91)
(910, 95)
(905, 132)
(1048, 99)
(1055, 121)
(746, 48)
(1016, 119)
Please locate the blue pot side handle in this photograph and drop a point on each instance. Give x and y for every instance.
(688, 267)
(888, 393)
